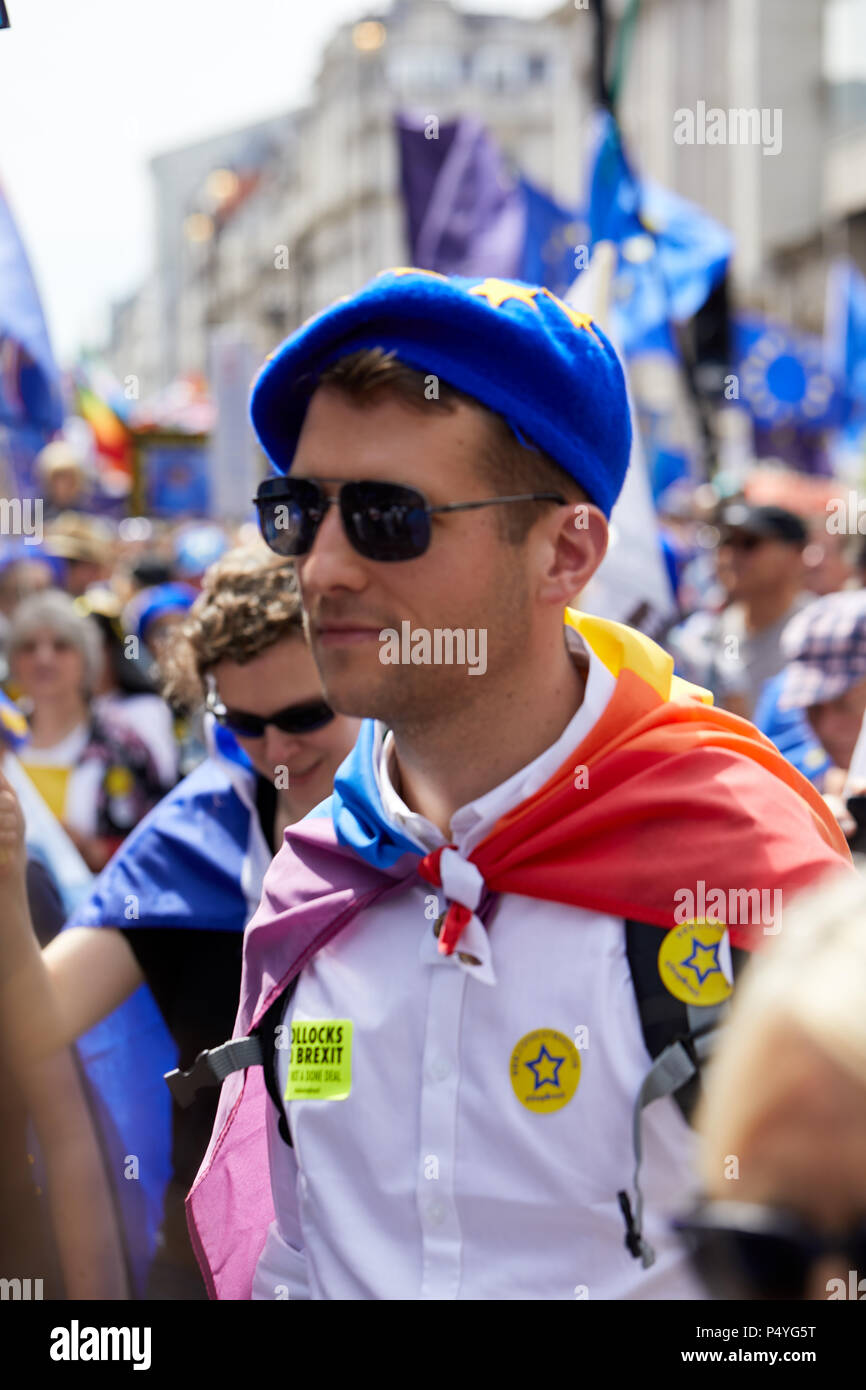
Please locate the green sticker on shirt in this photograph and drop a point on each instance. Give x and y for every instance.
(320, 1062)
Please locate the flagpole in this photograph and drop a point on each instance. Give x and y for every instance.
(602, 93)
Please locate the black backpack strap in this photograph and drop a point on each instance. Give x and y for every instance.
(665, 1019)
(678, 1037)
(214, 1064)
(266, 1032)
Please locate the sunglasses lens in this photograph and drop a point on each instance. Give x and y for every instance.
(296, 719)
(244, 725)
(303, 719)
(290, 510)
(385, 521)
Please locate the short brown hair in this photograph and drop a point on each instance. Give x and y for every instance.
(249, 600)
(506, 465)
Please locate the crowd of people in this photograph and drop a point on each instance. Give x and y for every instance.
(776, 633)
(221, 809)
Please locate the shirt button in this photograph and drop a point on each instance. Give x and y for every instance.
(436, 1214)
(439, 1068)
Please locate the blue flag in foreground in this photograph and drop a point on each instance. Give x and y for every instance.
(190, 863)
(29, 390)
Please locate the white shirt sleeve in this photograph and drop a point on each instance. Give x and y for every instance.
(281, 1271)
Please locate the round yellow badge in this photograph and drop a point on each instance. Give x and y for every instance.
(695, 962)
(545, 1070)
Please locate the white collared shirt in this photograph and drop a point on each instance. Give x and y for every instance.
(431, 1179)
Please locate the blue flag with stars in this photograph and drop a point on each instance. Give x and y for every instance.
(783, 379)
(670, 254)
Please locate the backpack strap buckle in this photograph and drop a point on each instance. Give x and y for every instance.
(212, 1066)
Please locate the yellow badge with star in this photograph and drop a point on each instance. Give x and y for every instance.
(694, 962)
(545, 1070)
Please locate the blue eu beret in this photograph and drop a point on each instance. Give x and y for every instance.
(516, 348)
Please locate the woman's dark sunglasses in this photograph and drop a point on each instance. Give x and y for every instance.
(294, 719)
(746, 541)
(383, 521)
(745, 1251)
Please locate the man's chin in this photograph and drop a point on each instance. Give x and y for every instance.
(350, 681)
(355, 702)
(362, 695)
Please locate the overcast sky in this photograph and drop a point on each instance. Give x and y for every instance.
(90, 89)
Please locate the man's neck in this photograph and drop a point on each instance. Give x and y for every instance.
(446, 765)
(763, 610)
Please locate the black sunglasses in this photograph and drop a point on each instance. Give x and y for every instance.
(745, 1251)
(742, 540)
(383, 521)
(294, 719)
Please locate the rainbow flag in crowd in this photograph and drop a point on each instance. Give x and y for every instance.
(112, 438)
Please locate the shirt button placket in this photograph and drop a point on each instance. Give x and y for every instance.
(440, 1228)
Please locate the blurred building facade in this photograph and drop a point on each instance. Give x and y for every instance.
(262, 227)
(317, 207)
(742, 57)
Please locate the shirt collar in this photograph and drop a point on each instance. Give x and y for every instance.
(472, 822)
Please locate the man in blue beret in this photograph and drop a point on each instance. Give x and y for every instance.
(440, 977)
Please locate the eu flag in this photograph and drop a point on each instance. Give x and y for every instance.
(29, 381)
(845, 341)
(469, 213)
(552, 240)
(670, 254)
(465, 212)
(782, 376)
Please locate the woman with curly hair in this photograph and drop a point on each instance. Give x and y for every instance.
(169, 910)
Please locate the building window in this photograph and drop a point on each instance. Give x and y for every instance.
(501, 69)
(428, 69)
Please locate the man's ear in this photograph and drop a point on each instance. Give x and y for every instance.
(573, 542)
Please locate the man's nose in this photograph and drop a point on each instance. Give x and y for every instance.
(331, 562)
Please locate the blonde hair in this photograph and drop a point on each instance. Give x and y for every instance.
(810, 980)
